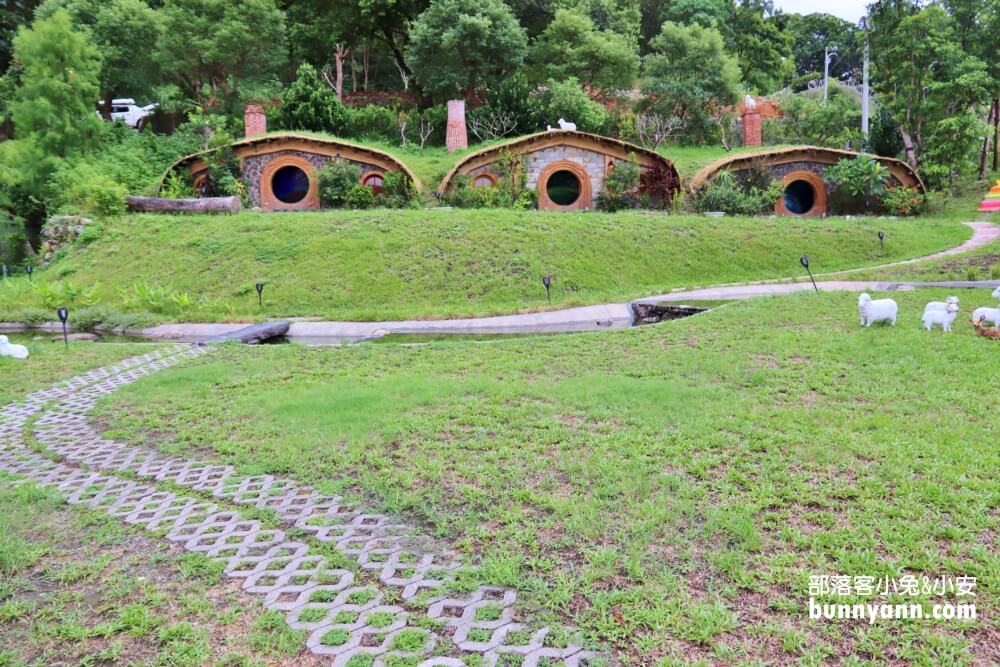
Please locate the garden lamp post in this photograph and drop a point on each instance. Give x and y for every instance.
(29, 268)
(804, 261)
(881, 238)
(260, 293)
(63, 316)
(547, 281)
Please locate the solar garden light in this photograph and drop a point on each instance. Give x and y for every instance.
(881, 238)
(260, 293)
(29, 268)
(547, 281)
(63, 316)
(804, 261)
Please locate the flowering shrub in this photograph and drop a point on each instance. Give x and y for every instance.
(903, 201)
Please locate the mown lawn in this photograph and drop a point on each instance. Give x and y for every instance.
(669, 489)
(382, 265)
(50, 362)
(78, 587)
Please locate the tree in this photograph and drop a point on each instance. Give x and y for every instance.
(310, 104)
(59, 83)
(761, 47)
(571, 46)
(213, 50)
(123, 31)
(456, 45)
(924, 78)
(812, 33)
(689, 76)
(567, 100)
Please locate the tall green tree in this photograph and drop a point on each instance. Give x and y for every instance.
(572, 47)
(812, 33)
(690, 77)
(214, 51)
(59, 85)
(925, 78)
(457, 45)
(763, 49)
(124, 31)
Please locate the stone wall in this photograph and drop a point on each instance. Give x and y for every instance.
(592, 162)
(253, 167)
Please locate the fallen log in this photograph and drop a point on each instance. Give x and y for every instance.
(251, 335)
(201, 205)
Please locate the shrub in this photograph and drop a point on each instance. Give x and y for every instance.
(621, 187)
(12, 239)
(397, 191)
(310, 104)
(373, 122)
(725, 193)
(78, 188)
(860, 180)
(360, 196)
(336, 179)
(567, 100)
(903, 201)
(809, 120)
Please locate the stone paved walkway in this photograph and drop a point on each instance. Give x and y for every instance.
(401, 603)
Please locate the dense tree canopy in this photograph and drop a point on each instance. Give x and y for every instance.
(458, 44)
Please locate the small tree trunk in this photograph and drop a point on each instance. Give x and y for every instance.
(985, 154)
(908, 149)
(366, 63)
(339, 56)
(996, 133)
(106, 107)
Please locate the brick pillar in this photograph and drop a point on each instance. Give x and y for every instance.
(456, 138)
(751, 128)
(254, 120)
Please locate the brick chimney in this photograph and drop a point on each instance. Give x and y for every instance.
(254, 120)
(751, 127)
(456, 138)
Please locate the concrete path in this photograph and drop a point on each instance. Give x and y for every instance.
(400, 604)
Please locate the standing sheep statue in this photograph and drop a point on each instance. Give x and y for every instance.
(879, 310)
(10, 350)
(941, 305)
(943, 317)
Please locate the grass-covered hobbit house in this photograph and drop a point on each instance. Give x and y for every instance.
(566, 168)
(280, 169)
(802, 171)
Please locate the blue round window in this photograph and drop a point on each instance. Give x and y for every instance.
(290, 184)
(799, 197)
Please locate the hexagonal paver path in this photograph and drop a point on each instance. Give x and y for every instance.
(344, 617)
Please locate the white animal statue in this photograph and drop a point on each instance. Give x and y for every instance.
(566, 125)
(996, 293)
(943, 317)
(879, 310)
(987, 315)
(9, 350)
(750, 102)
(941, 305)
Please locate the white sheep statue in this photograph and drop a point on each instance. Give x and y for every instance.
(943, 317)
(987, 315)
(9, 350)
(941, 305)
(878, 310)
(566, 125)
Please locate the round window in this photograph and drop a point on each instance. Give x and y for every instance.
(374, 181)
(290, 184)
(483, 181)
(799, 197)
(563, 188)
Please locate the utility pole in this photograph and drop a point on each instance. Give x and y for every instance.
(865, 93)
(828, 55)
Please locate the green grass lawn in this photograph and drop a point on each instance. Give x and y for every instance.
(78, 587)
(669, 489)
(50, 362)
(381, 265)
